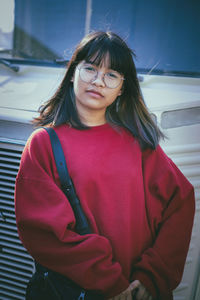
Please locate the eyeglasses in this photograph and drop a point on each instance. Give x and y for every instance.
(88, 73)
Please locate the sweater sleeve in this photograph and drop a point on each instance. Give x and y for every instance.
(170, 207)
(46, 225)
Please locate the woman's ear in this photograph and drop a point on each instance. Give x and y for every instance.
(121, 91)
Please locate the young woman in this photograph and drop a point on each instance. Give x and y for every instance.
(139, 205)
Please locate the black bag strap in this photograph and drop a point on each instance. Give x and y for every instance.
(59, 158)
(82, 226)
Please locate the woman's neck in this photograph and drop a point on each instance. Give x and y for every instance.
(92, 121)
(92, 117)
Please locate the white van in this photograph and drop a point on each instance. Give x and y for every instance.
(32, 66)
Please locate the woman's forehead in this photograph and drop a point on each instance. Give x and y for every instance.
(106, 59)
(103, 61)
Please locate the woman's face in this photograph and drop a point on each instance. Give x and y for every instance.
(95, 96)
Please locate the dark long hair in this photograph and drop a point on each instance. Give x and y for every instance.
(128, 110)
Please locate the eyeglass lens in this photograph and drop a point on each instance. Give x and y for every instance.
(111, 79)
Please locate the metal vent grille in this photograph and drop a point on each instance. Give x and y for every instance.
(16, 265)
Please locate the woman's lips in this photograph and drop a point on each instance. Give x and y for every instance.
(94, 93)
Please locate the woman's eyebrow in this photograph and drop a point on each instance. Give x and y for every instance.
(93, 63)
(90, 62)
(108, 69)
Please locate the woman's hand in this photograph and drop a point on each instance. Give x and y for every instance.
(139, 291)
(135, 291)
(127, 294)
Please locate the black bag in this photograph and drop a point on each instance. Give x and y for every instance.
(49, 285)
(46, 284)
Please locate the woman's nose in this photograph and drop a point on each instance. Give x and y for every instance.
(99, 79)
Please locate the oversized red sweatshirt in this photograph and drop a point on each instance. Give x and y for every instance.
(139, 205)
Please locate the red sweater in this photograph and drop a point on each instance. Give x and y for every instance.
(139, 205)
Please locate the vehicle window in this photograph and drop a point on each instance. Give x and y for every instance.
(165, 35)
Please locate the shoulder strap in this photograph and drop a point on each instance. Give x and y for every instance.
(82, 226)
(59, 158)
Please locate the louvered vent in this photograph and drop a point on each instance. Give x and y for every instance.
(16, 265)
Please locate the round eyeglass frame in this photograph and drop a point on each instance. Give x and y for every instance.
(95, 77)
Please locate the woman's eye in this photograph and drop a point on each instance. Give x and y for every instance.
(112, 75)
(89, 69)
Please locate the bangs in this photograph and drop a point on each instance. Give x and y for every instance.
(109, 53)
